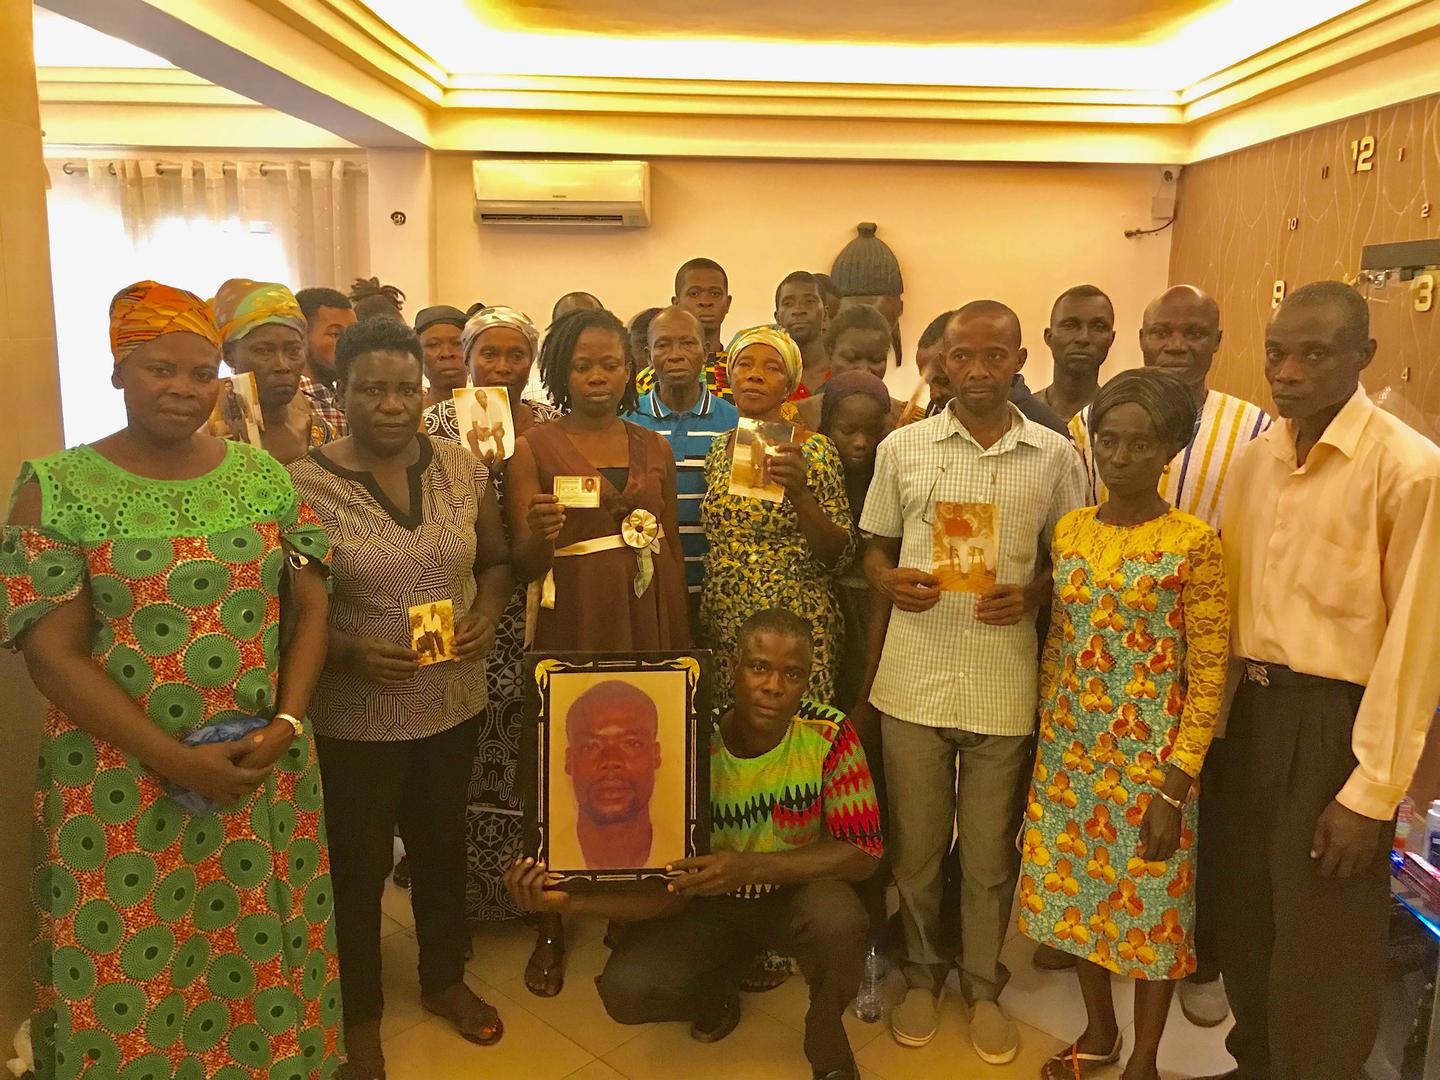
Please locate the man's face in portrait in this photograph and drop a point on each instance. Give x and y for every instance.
(612, 753)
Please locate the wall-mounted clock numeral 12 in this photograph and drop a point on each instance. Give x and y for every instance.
(1362, 154)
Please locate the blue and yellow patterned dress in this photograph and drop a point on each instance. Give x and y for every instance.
(759, 558)
(1132, 677)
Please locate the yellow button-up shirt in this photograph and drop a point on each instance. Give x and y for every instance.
(1334, 570)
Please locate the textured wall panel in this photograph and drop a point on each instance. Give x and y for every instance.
(1234, 238)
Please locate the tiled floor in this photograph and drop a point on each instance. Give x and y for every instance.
(570, 1036)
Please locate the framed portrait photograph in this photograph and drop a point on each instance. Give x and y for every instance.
(621, 747)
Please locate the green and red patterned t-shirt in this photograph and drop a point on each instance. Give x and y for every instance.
(815, 779)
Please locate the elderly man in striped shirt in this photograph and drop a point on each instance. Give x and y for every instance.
(680, 407)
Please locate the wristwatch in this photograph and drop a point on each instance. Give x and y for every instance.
(298, 727)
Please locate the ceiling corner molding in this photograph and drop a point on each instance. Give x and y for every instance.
(1342, 42)
(355, 34)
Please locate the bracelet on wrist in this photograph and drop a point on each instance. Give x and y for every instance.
(295, 726)
(1176, 803)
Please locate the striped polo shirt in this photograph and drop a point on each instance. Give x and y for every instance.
(690, 435)
(1195, 478)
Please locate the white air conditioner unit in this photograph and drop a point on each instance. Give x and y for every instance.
(575, 193)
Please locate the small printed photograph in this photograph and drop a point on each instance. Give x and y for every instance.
(965, 546)
(756, 442)
(578, 491)
(482, 416)
(236, 414)
(432, 631)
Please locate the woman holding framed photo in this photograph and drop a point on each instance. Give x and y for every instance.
(604, 578)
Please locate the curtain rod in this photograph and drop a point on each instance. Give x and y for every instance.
(70, 168)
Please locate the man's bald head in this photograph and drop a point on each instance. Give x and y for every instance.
(1180, 333)
(1189, 298)
(673, 319)
(992, 310)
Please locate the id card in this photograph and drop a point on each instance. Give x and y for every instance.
(578, 491)
(965, 546)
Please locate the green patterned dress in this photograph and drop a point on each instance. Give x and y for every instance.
(173, 946)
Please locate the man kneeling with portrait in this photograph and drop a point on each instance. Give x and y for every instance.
(794, 823)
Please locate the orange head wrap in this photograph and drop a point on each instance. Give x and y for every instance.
(144, 311)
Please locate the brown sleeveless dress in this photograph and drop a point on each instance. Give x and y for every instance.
(596, 609)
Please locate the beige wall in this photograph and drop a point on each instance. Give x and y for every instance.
(32, 426)
(1017, 233)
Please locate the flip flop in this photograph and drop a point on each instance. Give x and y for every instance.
(477, 1035)
(720, 1025)
(1071, 1064)
(546, 980)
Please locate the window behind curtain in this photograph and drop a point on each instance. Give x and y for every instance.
(191, 228)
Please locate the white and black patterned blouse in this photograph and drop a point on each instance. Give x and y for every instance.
(384, 562)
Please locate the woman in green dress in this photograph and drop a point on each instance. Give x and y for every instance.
(142, 579)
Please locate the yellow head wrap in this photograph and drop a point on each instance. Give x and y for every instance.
(242, 305)
(146, 310)
(778, 340)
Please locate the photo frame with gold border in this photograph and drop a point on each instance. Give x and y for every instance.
(541, 671)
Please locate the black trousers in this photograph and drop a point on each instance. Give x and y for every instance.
(1303, 954)
(370, 788)
(677, 967)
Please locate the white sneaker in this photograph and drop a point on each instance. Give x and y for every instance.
(914, 1020)
(1204, 1004)
(994, 1035)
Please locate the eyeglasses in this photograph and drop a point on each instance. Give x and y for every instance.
(928, 506)
(927, 510)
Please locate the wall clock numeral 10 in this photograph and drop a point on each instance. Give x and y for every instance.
(1362, 154)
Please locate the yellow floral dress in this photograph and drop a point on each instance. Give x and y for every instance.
(758, 558)
(1131, 682)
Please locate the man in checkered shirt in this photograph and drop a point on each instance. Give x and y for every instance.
(956, 683)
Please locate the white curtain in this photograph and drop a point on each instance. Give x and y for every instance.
(193, 223)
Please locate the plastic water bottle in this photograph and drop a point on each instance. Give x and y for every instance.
(870, 1001)
(1431, 851)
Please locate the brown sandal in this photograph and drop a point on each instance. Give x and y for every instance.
(546, 978)
(1071, 1064)
(454, 1002)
